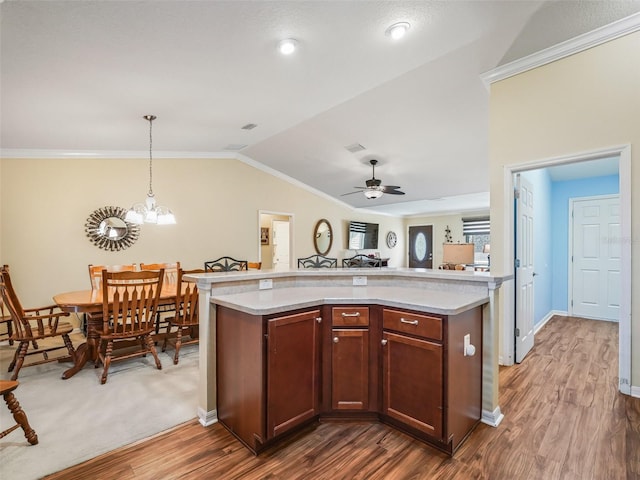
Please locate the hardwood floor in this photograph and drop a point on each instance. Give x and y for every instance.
(564, 419)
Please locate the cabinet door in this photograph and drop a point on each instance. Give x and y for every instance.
(350, 369)
(293, 371)
(413, 382)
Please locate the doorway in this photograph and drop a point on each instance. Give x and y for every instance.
(275, 239)
(421, 246)
(623, 156)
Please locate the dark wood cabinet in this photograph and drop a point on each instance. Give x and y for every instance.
(405, 368)
(429, 385)
(412, 380)
(268, 373)
(350, 369)
(293, 372)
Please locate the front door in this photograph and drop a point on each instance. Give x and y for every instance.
(595, 280)
(421, 246)
(524, 268)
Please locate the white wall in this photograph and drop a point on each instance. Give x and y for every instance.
(44, 204)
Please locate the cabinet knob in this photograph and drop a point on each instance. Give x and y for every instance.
(319, 319)
(335, 339)
(384, 342)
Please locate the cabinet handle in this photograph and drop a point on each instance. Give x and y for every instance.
(319, 319)
(410, 322)
(384, 342)
(335, 339)
(356, 314)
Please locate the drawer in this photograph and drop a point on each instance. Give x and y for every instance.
(413, 323)
(350, 316)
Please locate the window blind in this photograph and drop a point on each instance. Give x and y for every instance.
(476, 226)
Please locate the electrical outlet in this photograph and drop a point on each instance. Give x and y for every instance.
(360, 281)
(266, 284)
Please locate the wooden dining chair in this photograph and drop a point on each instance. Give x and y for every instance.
(33, 324)
(186, 318)
(225, 264)
(95, 276)
(170, 278)
(129, 304)
(5, 319)
(95, 272)
(6, 390)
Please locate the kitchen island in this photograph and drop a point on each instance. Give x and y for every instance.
(440, 295)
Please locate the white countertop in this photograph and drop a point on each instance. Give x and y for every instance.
(265, 302)
(410, 273)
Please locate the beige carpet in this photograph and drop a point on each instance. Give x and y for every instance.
(78, 419)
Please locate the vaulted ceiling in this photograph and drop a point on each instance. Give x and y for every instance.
(77, 77)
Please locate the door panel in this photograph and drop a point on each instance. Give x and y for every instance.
(412, 374)
(524, 268)
(280, 245)
(293, 371)
(595, 281)
(350, 369)
(421, 246)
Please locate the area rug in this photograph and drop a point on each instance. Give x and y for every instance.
(78, 419)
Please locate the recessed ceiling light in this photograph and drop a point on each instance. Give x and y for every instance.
(398, 30)
(287, 46)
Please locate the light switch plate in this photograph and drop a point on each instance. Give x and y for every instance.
(360, 281)
(265, 284)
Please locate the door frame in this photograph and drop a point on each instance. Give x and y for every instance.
(623, 152)
(291, 236)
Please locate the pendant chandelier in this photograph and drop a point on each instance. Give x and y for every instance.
(149, 212)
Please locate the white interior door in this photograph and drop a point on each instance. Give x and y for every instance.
(524, 268)
(280, 245)
(596, 250)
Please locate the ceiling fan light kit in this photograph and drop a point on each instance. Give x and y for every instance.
(373, 188)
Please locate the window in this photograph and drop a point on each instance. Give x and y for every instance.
(477, 231)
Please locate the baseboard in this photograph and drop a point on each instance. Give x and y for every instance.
(207, 418)
(635, 391)
(492, 418)
(548, 317)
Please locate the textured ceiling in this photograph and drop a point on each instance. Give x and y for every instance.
(76, 77)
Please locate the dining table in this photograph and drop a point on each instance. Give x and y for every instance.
(90, 302)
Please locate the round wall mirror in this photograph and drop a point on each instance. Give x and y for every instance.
(322, 237)
(107, 229)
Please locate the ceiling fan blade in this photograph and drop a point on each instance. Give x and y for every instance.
(392, 190)
(351, 193)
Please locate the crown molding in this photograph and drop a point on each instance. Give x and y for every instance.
(102, 154)
(569, 47)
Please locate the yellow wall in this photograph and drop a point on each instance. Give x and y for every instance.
(44, 204)
(585, 102)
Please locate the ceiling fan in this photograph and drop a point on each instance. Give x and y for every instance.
(373, 188)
